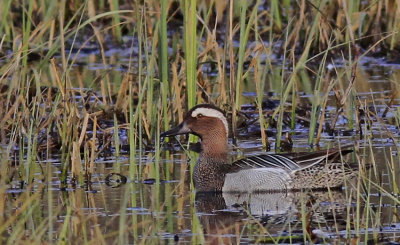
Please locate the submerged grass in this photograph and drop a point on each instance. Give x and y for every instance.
(51, 109)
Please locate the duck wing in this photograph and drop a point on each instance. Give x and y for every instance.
(289, 162)
(307, 160)
(266, 161)
(272, 172)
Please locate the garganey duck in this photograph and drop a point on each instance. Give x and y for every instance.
(267, 172)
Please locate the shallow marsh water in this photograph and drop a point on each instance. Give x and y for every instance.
(169, 211)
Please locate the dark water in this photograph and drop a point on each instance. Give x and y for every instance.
(143, 210)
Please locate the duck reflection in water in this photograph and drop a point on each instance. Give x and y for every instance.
(223, 215)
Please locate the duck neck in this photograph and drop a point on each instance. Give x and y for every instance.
(215, 147)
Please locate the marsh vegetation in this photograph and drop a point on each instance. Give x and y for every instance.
(86, 87)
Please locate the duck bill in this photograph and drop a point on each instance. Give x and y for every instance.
(180, 129)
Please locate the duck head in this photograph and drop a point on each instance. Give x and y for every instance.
(209, 123)
(202, 120)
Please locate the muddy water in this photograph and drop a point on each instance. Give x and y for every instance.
(170, 211)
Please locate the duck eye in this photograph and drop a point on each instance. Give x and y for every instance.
(199, 115)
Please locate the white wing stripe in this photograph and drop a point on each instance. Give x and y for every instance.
(273, 162)
(283, 162)
(288, 160)
(255, 162)
(277, 161)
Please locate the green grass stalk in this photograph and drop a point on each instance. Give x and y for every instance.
(294, 106)
(367, 204)
(69, 33)
(27, 201)
(281, 108)
(116, 20)
(6, 24)
(157, 154)
(190, 26)
(276, 14)
(317, 101)
(151, 107)
(243, 39)
(304, 217)
(259, 76)
(29, 154)
(206, 17)
(116, 144)
(242, 50)
(164, 61)
(297, 67)
(132, 138)
(64, 152)
(65, 227)
(26, 23)
(137, 119)
(190, 32)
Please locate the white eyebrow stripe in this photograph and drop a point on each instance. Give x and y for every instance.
(209, 112)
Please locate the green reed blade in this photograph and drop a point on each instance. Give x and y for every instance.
(243, 39)
(116, 20)
(132, 138)
(57, 42)
(284, 95)
(27, 23)
(276, 13)
(317, 100)
(6, 23)
(190, 27)
(116, 144)
(164, 60)
(242, 49)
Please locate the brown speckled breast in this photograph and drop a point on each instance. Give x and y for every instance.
(209, 174)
